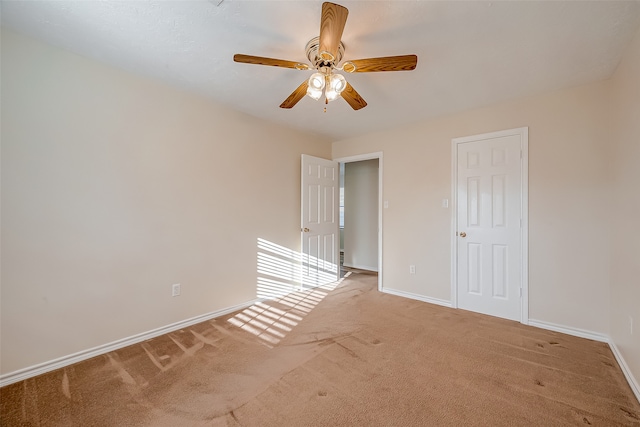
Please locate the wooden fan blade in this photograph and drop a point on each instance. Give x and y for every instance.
(259, 60)
(296, 96)
(387, 63)
(332, 22)
(353, 98)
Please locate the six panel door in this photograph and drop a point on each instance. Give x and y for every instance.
(489, 205)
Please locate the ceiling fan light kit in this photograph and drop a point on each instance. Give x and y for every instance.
(333, 85)
(325, 53)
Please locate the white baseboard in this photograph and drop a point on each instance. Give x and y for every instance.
(61, 362)
(576, 332)
(633, 383)
(422, 298)
(361, 267)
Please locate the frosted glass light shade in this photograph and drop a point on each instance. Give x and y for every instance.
(315, 86)
(331, 94)
(316, 81)
(314, 93)
(337, 83)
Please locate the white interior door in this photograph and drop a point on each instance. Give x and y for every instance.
(489, 224)
(320, 222)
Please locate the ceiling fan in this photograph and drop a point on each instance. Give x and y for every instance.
(325, 53)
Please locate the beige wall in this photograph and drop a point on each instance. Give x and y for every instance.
(569, 198)
(625, 241)
(114, 187)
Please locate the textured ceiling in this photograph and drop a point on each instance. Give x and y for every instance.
(470, 54)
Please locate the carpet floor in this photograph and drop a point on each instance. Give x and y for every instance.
(339, 355)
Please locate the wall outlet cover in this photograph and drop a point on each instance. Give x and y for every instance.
(175, 290)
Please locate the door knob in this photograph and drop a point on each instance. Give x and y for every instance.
(463, 234)
(306, 230)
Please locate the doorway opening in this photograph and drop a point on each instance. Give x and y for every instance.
(361, 215)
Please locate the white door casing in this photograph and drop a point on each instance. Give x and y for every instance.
(320, 223)
(369, 156)
(490, 224)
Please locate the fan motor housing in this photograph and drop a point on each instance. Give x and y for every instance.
(317, 60)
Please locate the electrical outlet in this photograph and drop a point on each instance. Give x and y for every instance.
(412, 269)
(175, 290)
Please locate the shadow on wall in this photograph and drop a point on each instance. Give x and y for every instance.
(291, 284)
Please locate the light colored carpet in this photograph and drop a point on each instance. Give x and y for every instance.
(348, 356)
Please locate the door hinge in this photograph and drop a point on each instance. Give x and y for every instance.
(520, 292)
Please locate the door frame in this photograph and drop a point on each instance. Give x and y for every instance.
(371, 156)
(523, 133)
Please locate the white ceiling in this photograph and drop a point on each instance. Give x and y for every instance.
(470, 54)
